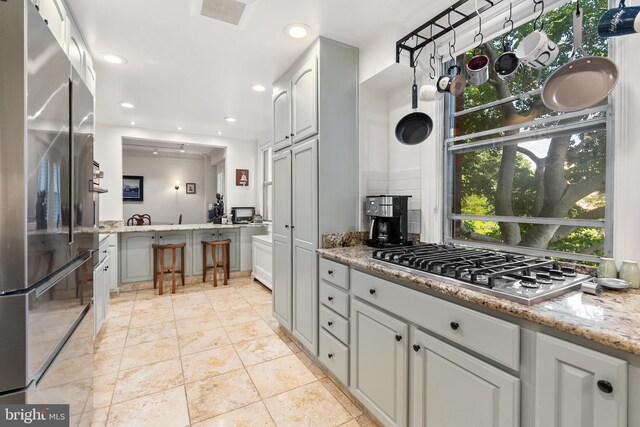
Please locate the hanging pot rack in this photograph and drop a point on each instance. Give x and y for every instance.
(443, 23)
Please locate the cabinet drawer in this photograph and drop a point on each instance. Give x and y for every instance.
(334, 298)
(335, 356)
(494, 338)
(103, 250)
(335, 273)
(335, 324)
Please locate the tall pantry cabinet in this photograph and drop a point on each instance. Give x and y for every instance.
(315, 175)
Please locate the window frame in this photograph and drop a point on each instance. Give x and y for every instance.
(265, 182)
(450, 150)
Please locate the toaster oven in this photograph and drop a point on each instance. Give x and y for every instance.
(242, 215)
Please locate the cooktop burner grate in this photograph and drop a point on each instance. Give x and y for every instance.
(514, 276)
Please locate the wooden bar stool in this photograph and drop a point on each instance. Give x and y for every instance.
(224, 262)
(158, 250)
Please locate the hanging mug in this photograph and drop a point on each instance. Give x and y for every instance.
(452, 82)
(478, 69)
(537, 51)
(507, 63)
(620, 21)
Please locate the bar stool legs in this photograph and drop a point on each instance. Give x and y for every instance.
(158, 251)
(216, 263)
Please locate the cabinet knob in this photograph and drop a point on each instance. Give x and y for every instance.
(330, 355)
(330, 298)
(104, 251)
(398, 338)
(372, 291)
(286, 226)
(330, 272)
(153, 237)
(329, 323)
(286, 137)
(46, 21)
(605, 386)
(292, 135)
(293, 226)
(454, 325)
(416, 348)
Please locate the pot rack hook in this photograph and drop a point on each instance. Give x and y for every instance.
(432, 56)
(509, 20)
(452, 45)
(537, 3)
(479, 33)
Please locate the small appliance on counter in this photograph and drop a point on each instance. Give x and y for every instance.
(242, 215)
(387, 221)
(216, 210)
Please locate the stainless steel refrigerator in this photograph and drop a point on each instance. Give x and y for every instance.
(48, 227)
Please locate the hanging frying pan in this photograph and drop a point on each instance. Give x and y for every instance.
(579, 83)
(415, 127)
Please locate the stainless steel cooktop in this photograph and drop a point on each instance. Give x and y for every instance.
(520, 278)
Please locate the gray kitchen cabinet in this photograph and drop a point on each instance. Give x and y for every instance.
(304, 100)
(304, 186)
(281, 233)
(379, 370)
(174, 238)
(136, 256)
(578, 387)
(314, 189)
(444, 380)
(100, 293)
(55, 14)
(281, 113)
(199, 236)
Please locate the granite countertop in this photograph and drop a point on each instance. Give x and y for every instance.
(611, 318)
(173, 227)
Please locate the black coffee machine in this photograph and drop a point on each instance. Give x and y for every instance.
(387, 221)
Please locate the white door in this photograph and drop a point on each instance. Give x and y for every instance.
(378, 363)
(282, 292)
(445, 379)
(578, 387)
(304, 186)
(282, 114)
(304, 101)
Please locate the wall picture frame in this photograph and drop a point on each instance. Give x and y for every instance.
(242, 177)
(190, 187)
(132, 188)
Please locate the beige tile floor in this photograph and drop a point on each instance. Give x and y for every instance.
(206, 357)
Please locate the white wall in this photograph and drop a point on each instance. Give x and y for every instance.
(241, 154)
(161, 200)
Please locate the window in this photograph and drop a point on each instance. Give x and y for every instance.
(521, 175)
(267, 183)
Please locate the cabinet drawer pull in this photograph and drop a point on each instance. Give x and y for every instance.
(286, 137)
(372, 291)
(46, 21)
(330, 355)
(330, 298)
(398, 338)
(292, 135)
(454, 325)
(605, 386)
(329, 323)
(416, 348)
(330, 272)
(286, 226)
(104, 252)
(293, 226)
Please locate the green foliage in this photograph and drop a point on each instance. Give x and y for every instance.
(479, 171)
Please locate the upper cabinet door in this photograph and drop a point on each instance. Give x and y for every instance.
(305, 101)
(282, 114)
(54, 13)
(578, 387)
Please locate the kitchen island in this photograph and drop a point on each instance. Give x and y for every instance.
(136, 256)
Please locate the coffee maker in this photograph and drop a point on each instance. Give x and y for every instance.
(387, 221)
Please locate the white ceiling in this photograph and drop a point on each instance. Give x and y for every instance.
(147, 145)
(190, 71)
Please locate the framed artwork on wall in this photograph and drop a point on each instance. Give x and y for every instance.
(132, 188)
(242, 177)
(191, 188)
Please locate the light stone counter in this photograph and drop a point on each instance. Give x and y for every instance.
(612, 318)
(173, 227)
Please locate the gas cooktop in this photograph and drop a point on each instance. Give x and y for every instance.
(516, 277)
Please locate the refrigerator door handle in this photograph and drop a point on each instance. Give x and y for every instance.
(49, 282)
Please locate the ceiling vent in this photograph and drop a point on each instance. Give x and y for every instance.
(234, 12)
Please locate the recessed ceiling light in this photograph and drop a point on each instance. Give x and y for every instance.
(155, 151)
(133, 123)
(127, 105)
(258, 88)
(230, 119)
(219, 133)
(179, 127)
(297, 31)
(182, 148)
(114, 59)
